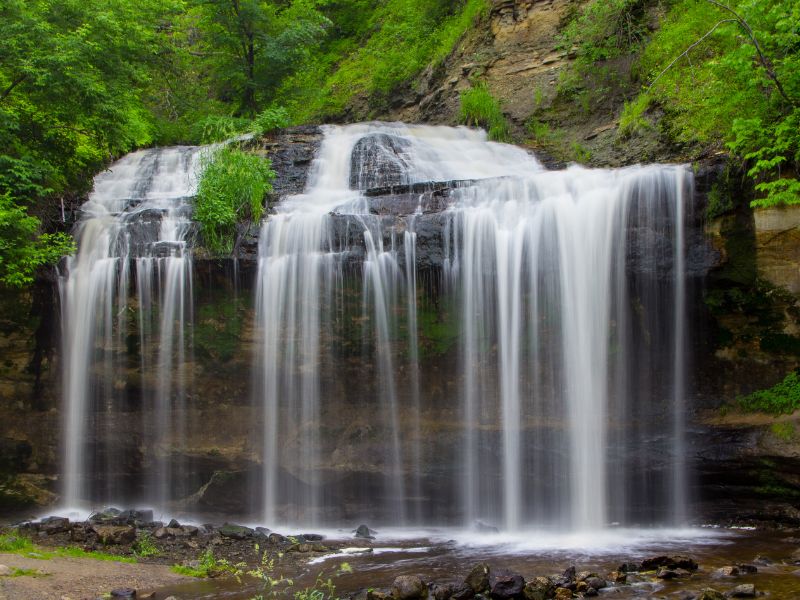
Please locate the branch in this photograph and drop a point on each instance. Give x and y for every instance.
(685, 52)
(740, 21)
(10, 88)
(764, 62)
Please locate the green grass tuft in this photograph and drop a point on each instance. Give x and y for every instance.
(480, 109)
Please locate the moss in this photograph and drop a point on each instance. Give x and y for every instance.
(784, 431)
(218, 329)
(437, 332)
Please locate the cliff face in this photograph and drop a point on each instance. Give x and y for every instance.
(744, 314)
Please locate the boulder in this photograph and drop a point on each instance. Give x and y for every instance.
(478, 578)
(363, 532)
(618, 577)
(115, 534)
(670, 562)
(506, 585)
(173, 524)
(462, 592)
(53, 525)
(727, 571)
(596, 582)
(710, 594)
(747, 569)
(107, 515)
(563, 594)
(409, 587)
(539, 588)
(236, 532)
(442, 591)
(746, 590)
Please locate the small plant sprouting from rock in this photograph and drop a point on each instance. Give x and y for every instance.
(480, 109)
(145, 547)
(209, 566)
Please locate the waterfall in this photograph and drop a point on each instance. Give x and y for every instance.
(570, 295)
(137, 218)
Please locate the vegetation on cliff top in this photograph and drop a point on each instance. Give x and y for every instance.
(781, 399)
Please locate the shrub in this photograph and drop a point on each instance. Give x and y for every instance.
(269, 120)
(480, 109)
(231, 189)
(783, 398)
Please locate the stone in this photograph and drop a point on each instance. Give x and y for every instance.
(539, 588)
(5, 571)
(188, 530)
(563, 594)
(409, 587)
(462, 592)
(161, 533)
(53, 525)
(598, 583)
(107, 515)
(762, 560)
(746, 590)
(276, 538)
(364, 532)
(747, 569)
(629, 567)
(442, 591)
(478, 578)
(727, 571)
(581, 587)
(710, 594)
(236, 532)
(618, 577)
(312, 537)
(126, 593)
(115, 534)
(173, 524)
(665, 573)
(591, 592)
(671, 562)
(506, 585)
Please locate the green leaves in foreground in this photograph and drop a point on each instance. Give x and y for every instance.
(783, 398)
(232, 189)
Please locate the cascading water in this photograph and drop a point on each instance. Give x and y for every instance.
(569, 286)
(137, 217)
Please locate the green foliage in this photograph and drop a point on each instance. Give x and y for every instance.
(374, 48)
(17, 544)
(480, 109)
(267, 121)
(720, 88)
(632, 119)
(144, 546)
(232, 188)
(782, 398)
(213, 129)
(17, 572)
(208, 566)
(606, 29)
(22, 249)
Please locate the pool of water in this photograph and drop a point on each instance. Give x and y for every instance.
(446, 556)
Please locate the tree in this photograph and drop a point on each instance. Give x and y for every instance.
(251, 45)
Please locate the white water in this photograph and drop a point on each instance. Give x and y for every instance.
(538, 263)
(137, 218)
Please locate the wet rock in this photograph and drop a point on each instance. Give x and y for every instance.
(277, 539)
(78, 534)
(763, 561)
(363, 532)
(710, 594)
(226, 491)
(312, 537)
(262, 532)
(617, 577)
(478, 578)
(161, 533)
(506, 585)
(302, 548)
(462, 592)
(591, 592)
(126, 593)
(727, 571)
(442, 591)
(665, 573)
(670, 562)
(746, 590)
(566, 579)
(563, 594)
(581, 587)
(188, 531)
(539, 588)
(173, 524)
(236, 532)
(409, 587)
(596, 582)
(53, 525)
(747, 569)
(107, 515)
(379, 160)
(630, 567)
(115, 534)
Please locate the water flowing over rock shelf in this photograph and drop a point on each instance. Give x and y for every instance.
(435, 330)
